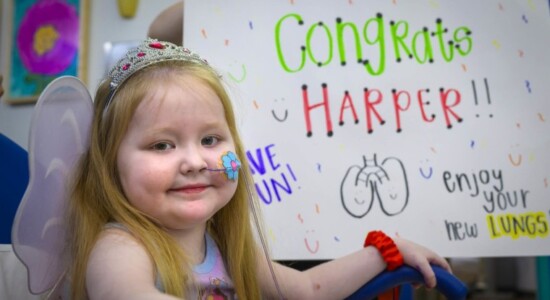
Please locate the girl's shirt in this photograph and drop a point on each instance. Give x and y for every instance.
(211, 276)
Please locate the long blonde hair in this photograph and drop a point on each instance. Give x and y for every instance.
(97, 197)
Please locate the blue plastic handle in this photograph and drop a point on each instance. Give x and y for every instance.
(447, 283)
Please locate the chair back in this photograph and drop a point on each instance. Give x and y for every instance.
(14, 177)
(447, 284)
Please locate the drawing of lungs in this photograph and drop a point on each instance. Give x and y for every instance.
(356, 192)
(392, 190)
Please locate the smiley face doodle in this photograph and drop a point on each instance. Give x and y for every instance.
(311, 239)
(277, 117)
(241, 78)
(426, 174)
(386, 183)
(313, 249)
(515, 159)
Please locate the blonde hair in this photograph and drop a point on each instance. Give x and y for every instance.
(97, 197)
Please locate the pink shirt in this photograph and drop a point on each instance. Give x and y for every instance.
(211, 277)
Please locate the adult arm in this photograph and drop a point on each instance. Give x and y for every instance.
(168, 25)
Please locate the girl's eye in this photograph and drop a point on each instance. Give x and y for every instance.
(162, 146)
(209, 141)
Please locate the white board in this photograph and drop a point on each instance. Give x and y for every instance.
(326, 168)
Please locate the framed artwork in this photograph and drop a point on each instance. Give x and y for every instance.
(48, 39)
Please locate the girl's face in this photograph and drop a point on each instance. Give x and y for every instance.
(176, 133)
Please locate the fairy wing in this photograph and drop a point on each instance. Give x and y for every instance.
(59, 134)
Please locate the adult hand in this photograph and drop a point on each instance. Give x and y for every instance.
(1, 87)
(420, 258)
(168, 25)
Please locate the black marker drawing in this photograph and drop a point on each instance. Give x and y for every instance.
(386, 183)
(487, 94)
(277, 117)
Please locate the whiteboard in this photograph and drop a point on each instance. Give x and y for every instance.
(425, 119)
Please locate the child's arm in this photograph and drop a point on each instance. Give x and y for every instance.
(119, 268)
(341, 277)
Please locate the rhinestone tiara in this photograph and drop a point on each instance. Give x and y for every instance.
(149, 52)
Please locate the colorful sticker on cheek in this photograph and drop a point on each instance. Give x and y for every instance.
(230, 165)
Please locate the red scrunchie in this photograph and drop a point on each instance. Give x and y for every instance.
(387, 248)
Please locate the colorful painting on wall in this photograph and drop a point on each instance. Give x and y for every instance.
(47, 41)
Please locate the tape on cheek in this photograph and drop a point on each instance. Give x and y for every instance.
(229, 164)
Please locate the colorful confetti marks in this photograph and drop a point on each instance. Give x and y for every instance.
(532, 5)
(528, 86)
(434, 4)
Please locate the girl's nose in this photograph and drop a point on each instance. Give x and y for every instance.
(192, 160)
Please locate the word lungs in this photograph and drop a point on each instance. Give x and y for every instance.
(387, 183)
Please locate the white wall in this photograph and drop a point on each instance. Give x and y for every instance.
(105, 24)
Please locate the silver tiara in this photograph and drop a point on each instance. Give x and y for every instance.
(150, 52)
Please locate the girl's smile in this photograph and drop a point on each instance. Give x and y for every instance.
(191, 189)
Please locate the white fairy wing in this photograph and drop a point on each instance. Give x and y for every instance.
(59, 134)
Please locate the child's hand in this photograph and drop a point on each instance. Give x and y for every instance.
(420, 258)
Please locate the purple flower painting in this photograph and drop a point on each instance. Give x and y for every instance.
(46, 44)
(47, 40)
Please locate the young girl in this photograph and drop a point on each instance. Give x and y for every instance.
(160, 206)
